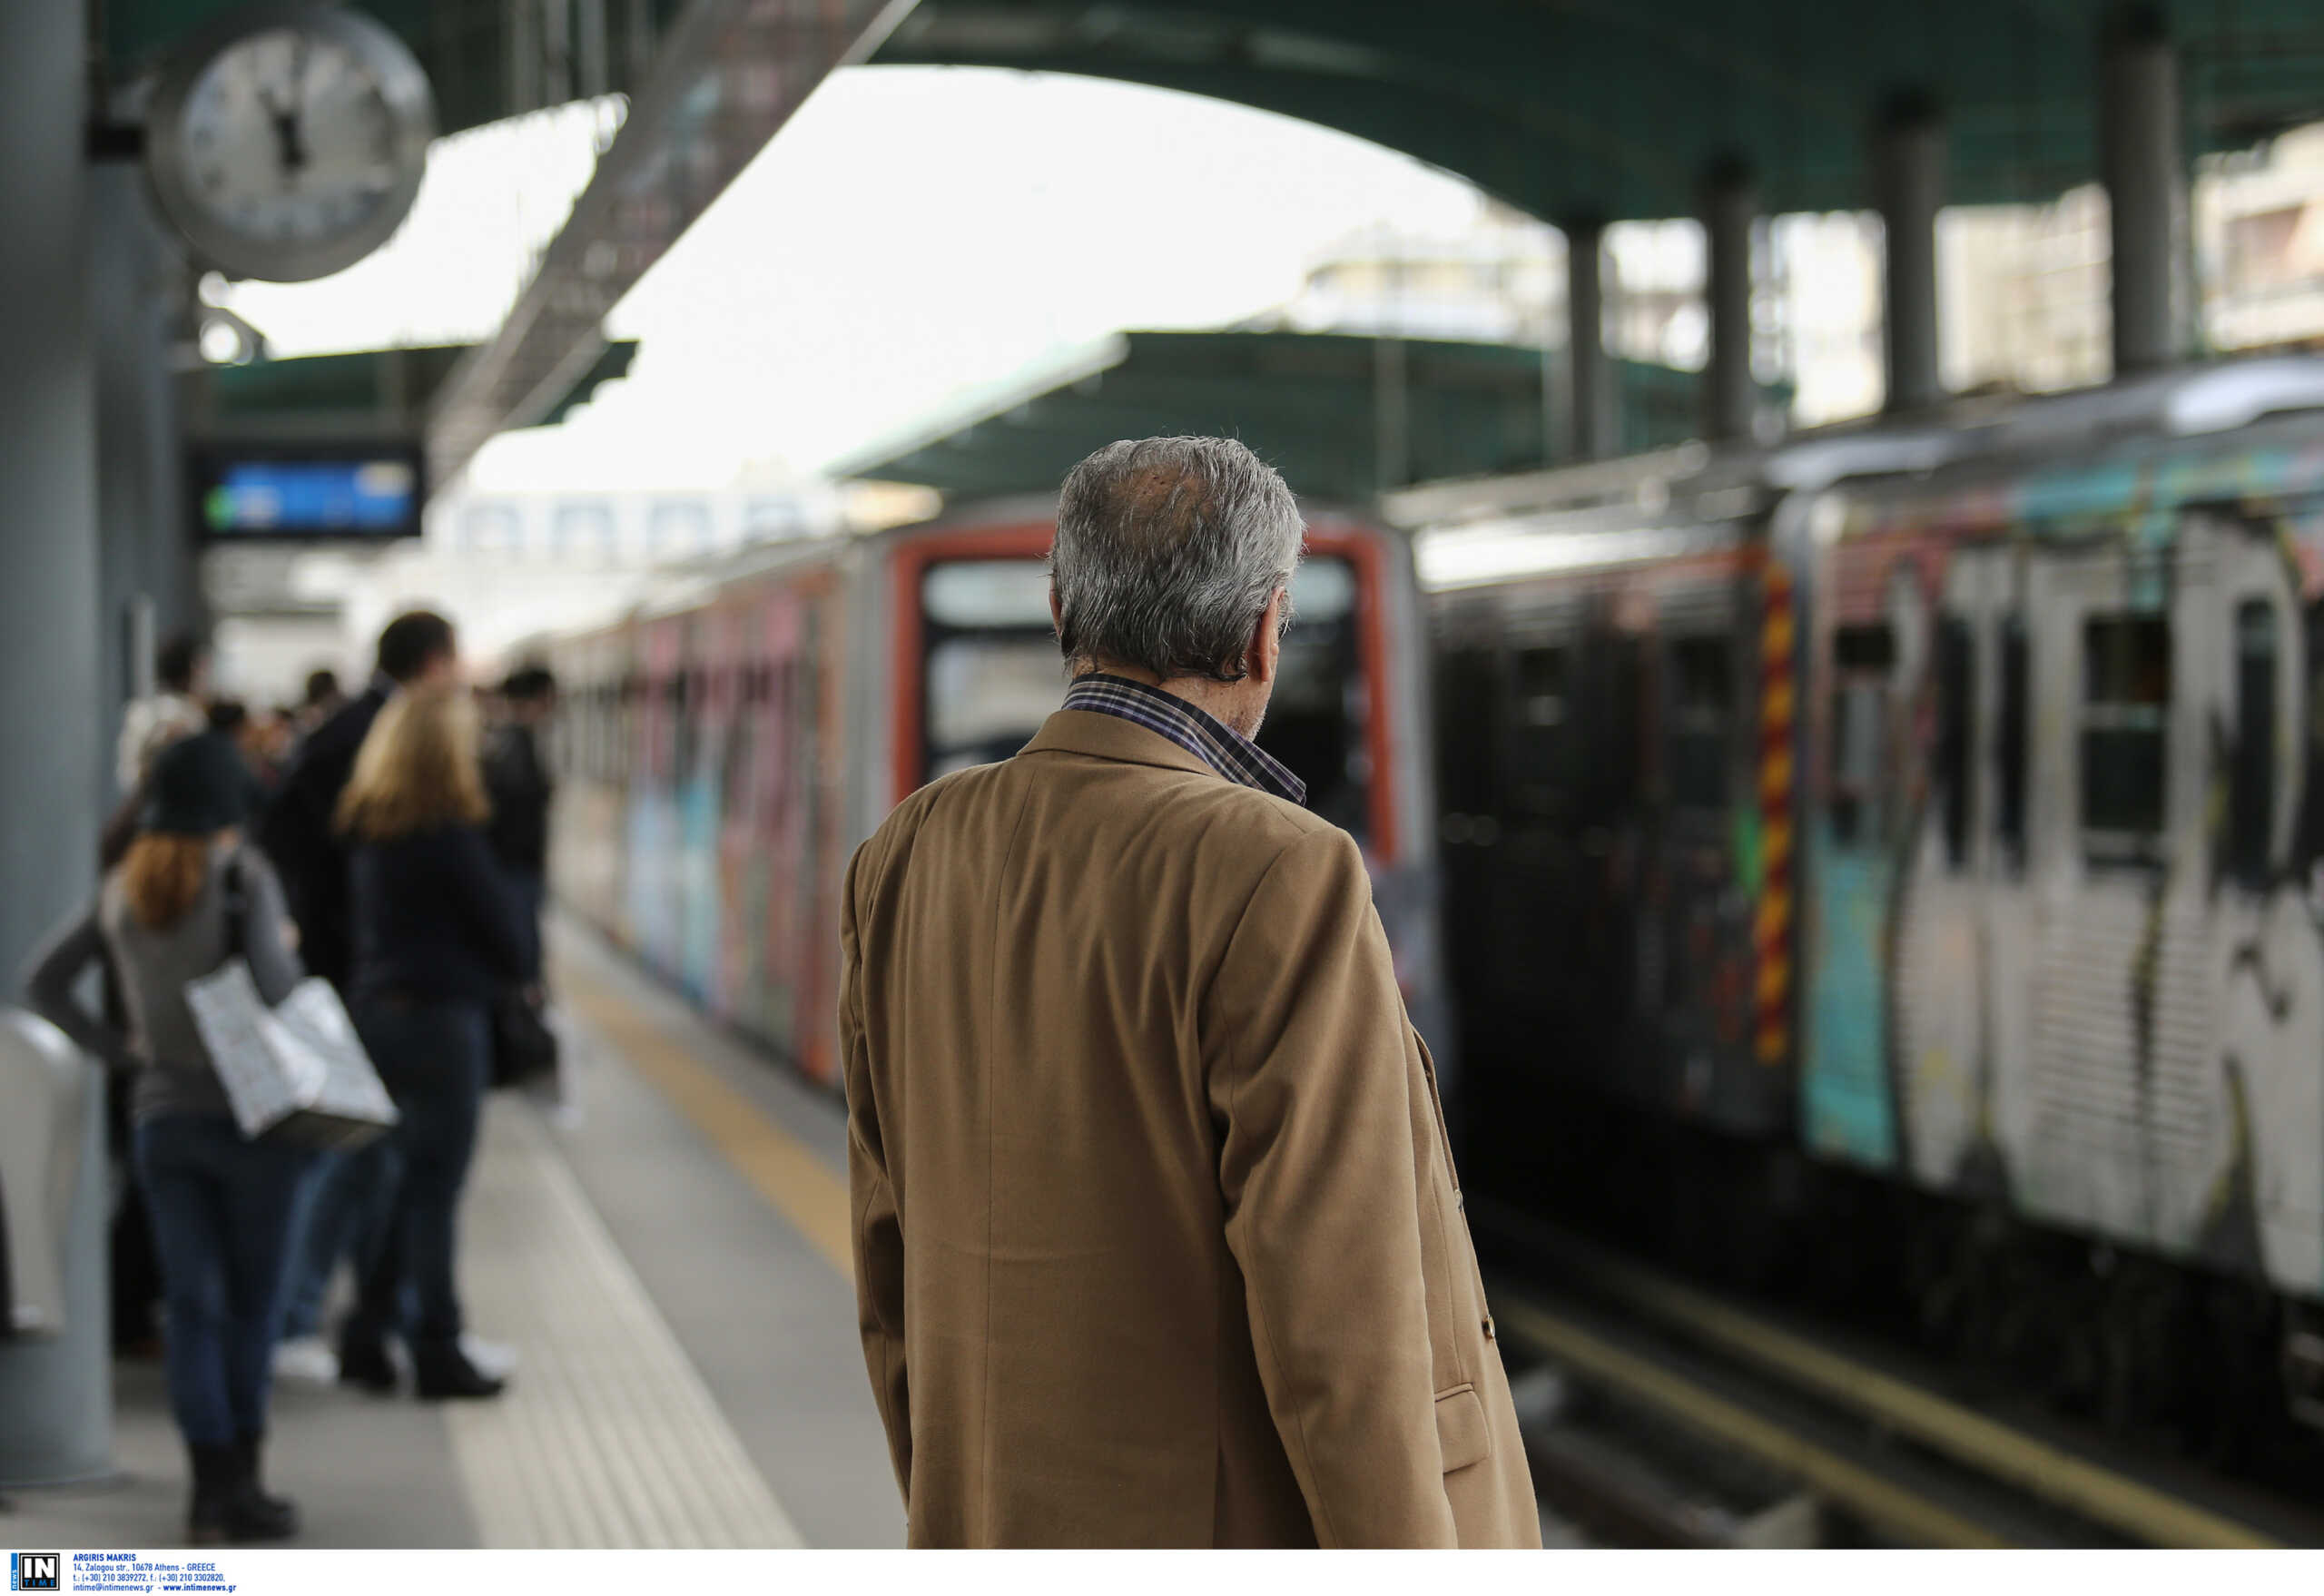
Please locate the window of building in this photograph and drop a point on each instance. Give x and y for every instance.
(2125, 716)
(489, 526)
(678, 526)
(582, 527)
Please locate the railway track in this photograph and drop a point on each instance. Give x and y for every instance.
(1658, 1414)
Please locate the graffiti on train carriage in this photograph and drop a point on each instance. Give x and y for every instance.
(2063, 838)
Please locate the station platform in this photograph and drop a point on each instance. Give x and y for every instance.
(668, 1256)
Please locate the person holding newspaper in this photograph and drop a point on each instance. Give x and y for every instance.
(187, 897)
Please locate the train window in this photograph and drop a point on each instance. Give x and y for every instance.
(986, 593)
(2251, 810)
(2125, 711)
(1861, 657)
(1701, 707)
(1315, 720)
(2011, 752)
(1957, 708)
(993, 673)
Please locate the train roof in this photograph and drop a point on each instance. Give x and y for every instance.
(1609, 511)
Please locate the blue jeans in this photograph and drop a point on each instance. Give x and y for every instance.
(340, 1205)
(221, 1210)
(435, 1060)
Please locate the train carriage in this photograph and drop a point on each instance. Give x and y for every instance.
(782, 706)
(1943, 803)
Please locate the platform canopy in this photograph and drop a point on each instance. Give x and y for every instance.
(1573, 109)
(1612, 109)
(1341, 416)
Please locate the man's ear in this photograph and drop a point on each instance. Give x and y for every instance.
(1057, 613)
(1267, 639)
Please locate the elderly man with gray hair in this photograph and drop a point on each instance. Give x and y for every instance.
(1159, 1241)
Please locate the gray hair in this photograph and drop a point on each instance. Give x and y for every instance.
(1168, 551)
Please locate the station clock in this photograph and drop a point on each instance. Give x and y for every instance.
(287, 141)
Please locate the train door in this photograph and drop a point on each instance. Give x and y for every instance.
(701, 758)
(1963, 919)
(1698, 964)
(2260, 1203)
(653, 805)
(2112, 1083)
(1871, 643)
(1467, 681)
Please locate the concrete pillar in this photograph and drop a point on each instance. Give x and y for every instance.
(1593, 421)
(1908, 186)
(2139, 145)
(138, 289)
(54, 1394)
(1728, 209)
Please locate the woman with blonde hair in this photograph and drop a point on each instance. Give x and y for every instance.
(438, 933)
(185, 897)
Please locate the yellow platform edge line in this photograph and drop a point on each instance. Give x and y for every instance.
(798, 1185)
(2058, 1477)
(1916, 1519)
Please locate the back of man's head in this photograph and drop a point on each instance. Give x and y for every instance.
(175, 663)
(413, 642)
(531, 683)
(1168, 551)
(323, 687)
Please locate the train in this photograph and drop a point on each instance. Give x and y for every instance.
(722, 751)
(1897, 855)
(1889, 862)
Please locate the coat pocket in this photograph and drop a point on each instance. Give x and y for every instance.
(1461, 1430)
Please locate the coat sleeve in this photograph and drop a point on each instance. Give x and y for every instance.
(1303, 1035)
(876, 1226)
(52, 974)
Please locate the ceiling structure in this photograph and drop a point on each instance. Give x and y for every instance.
(1613, 109)
(1572, 110)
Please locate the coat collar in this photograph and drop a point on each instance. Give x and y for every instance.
(1105, 736)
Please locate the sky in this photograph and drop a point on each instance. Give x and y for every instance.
(912, 233)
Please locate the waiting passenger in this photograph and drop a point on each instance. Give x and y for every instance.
(345, 1195)
(438, 933)
(181, 681)
(517, 778)
(1157, 1240)
(220, 1207)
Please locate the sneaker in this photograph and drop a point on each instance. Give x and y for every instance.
(495, 1359)
(306, 1357)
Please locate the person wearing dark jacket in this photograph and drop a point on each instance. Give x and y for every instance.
(438, 933)
(343, 1195)
(517, 778)
(417, 649)
(221, 1206)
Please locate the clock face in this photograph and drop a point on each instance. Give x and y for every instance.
(294, 147)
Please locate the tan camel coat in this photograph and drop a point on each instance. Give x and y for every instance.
(1158, 1238)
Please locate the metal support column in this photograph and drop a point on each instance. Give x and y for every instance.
(1392, 442)
(1908, 186)
(1728, 207)
(2146, 191)
(55, 1392)
(1591, 417)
